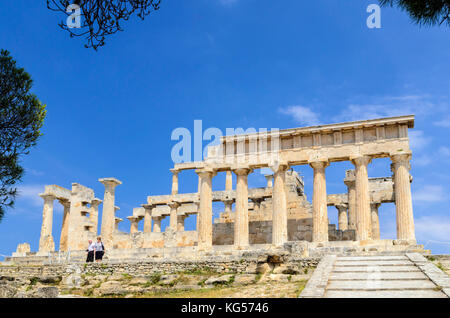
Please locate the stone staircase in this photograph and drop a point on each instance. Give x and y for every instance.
(384, 276)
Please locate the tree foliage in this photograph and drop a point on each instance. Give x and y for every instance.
(21, 118)
(424, 12)
(101, 18)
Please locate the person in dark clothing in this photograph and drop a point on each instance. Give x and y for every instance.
(99, 249)
(91, 252)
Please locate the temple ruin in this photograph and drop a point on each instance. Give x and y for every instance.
(276, 216)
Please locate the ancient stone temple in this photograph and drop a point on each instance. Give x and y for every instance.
(278, 216)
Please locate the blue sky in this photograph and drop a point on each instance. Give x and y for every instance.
(229, 63)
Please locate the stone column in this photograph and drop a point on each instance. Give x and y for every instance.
(174, 180)
(46, 243)
(205, 209)
(65, 226)
(241, 234)
(108, 215)
(257, 204)
(320, 214)
(116, 223)
(148, 217)
(180, 222)
(363, 220)
(403, 202)
(229, 181)
(375, 221)
(157, 224)
(279, 205)
(269, 178)
(228, 206)
(351, 192)
(93, 216)
(342, 216)
(173, 215)
(134, 224)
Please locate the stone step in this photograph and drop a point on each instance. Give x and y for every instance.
(385, 294)
(377, 275)
(381, 285)
(373, 258)
(374, 263)
(370, 269)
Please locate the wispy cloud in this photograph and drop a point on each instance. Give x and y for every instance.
(418, 140)
(433, 227)
(429, 194)
(301, 114)
(445, 122)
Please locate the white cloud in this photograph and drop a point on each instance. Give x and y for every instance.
(445, 122)
(30, 194)
(433, 227)
(429, 194)
(444, 151)
(421, 160)
(302, 115)
(418, 140)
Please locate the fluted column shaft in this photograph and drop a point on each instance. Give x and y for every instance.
(205, 209)
(157, 224)
(93, 217)
(363, 218)
(65, 226)
(180, 222)
(342, 217)
(403, 200)
(46, 243)
(229, 181)
(109, 215)
(174, 181)
(320, 214)
(241, 234)
(279, 205)
(148, 217)
(173, 215)
(351, 192)
(375, 221)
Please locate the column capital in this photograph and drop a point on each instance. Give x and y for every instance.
(64, 202)
(319, 164)
(257, 200)
(360, 160)
(173, 204)
(112, 182)
(134, 218)
(175, 171)
(375, 205)
(47, 197)
(404, 157)
(241, 171)
(342, 207)
(148, 206)
(96, 202)
(279, 166)
(206, 171)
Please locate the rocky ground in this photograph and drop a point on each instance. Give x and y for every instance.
(282, 282)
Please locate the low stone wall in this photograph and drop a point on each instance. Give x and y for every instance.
(251, 266)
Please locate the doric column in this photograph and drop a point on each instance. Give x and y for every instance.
(148, 217)
(108, 214)
(342, 216)
(256, 204)
(93, 216)
(228, 205)
(351, 193)
(117, 221)
(173, 215)
(157, 224)
(46, 243)
(279, 205)
(269, 178)
(375, 221)
(174, 180)
(403, 201)
(241, 238)
(363, 220)
(65, 226)
(180, 222)
(229, 181)
(320, 215)
(134, 223)
(205, 209)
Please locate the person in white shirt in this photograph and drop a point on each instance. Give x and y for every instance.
(99, 250)
(91, 252)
